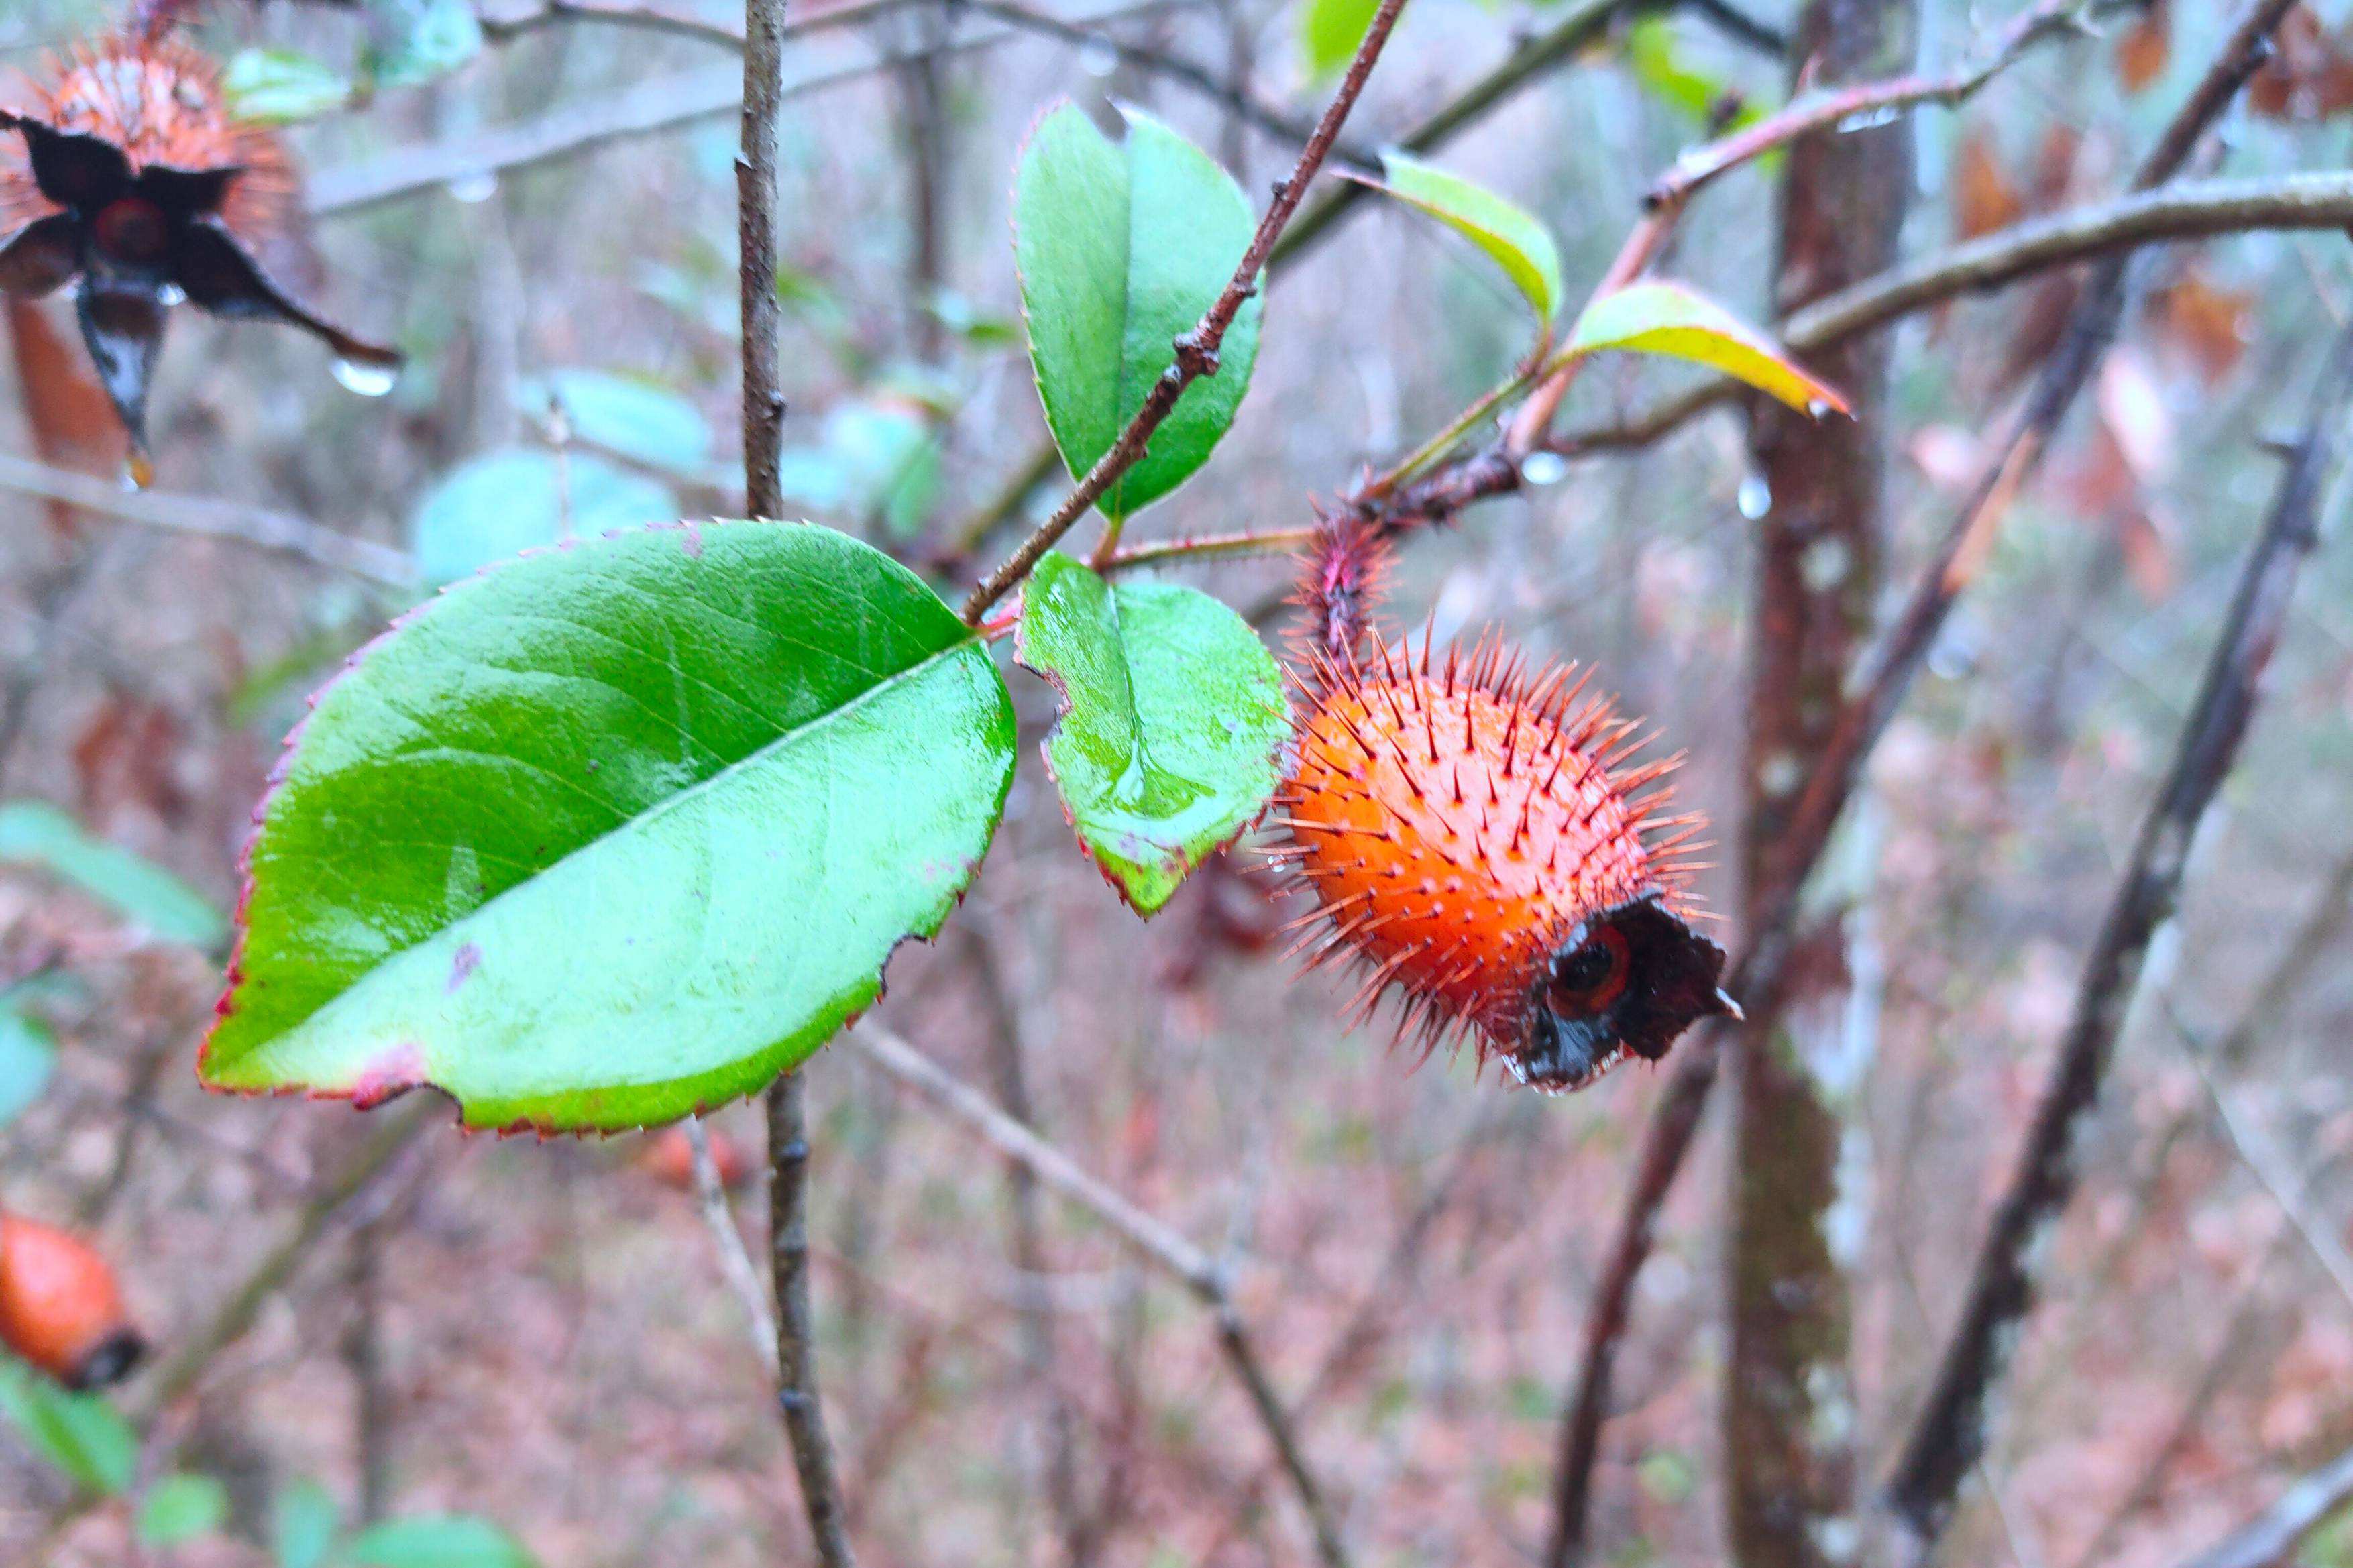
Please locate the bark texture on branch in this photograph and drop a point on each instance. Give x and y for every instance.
(1789, 1408)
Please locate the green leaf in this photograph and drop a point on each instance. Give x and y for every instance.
(28, 1056)
(447, 1540)
(79, 1434)
(40, 833)
(1655, 318)
(430, 38)
(304, 1523)
(1510, 235)
(1330, 31)
(503, 503)
(615, 831)
(640, 420)
(278, 87)
(1173, 713)
(180, 1508)
(1122, 249)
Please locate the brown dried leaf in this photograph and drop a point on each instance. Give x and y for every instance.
(1984, 196)
(2146, 47)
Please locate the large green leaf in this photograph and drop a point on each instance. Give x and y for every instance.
(617, 830)
(1173, 713)
(81, 1434)
(29, 1058)
(504, 502)
(39, 834)
(180, 1508)
(1668, 319)
(1510, 235)
(1122, 249)
(447, 1540)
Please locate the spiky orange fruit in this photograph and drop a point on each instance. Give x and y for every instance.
(59, 1306)
(1476, 838)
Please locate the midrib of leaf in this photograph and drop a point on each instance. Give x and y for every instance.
(1119, 417)
(674, 800)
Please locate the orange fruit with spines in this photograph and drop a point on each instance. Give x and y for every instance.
(1479, 838)
(61, 1308)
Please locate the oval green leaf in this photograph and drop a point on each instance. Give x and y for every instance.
(1512, 235)
(615, 832)
(81, 1435)
(1122, 249)
(446, 1540)
(1656, 318)
(504, 502)
(28, 1060)
(180, 1508)
(1330, 32)
(37, 834)
(1173, 713)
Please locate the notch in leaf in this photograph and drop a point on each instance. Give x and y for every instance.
(1122, 249)
(1656, 318)
(1514, 238)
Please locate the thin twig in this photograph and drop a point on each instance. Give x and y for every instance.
(734, 1258)
(1197, 350)
(1950, 1433)
(281, 534)
(1153, 1239)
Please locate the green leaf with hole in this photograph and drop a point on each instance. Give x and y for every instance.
(1509, 234)
(78, 1434)
(35, 833)
(1655, 318)
(504, 502)
(1122, 248)
(615, 831)
(180, 1508)
(1330, 31)
(1173, 713)
(278, 87)
(443, 1541)
(28, 1060)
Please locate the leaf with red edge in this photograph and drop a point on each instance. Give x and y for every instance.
(1668, 319)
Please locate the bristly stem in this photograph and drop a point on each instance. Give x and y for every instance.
(763, 419)
(1197, 350)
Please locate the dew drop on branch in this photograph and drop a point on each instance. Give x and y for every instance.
(1755, 496)
(367, 380)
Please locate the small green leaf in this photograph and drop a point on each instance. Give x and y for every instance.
(1656, 318)
(1330, 31)
(304, 1523)
(626, 414)
(29, 1058)
(40, 833)
(616, 831)
(430, 38)
(1511, 235)
(1173, 713)
(278, 87)
(180, 1508)
(79, 1434)
(446, 1541)
(503, 503)
(1122, 249)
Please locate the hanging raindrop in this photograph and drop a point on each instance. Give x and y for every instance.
(475, 188)
(1099, 56)
(1540, 469)
(367, 380)
(1756, 497)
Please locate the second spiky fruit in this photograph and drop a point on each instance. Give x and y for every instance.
(1478, 839)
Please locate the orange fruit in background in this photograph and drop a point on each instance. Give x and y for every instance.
(61, 1308)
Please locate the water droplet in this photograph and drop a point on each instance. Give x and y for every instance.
(367, 380)
(1818, 409)
(1870, 119)
(1099, 56)
(138, 471)
(170, 295)
(474, 188)
(1756, 497)
(1542, 468)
